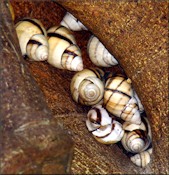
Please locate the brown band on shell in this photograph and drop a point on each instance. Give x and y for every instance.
(52, 34)
(99, 116)
(34, 42)
(128, 114)
(113, 91)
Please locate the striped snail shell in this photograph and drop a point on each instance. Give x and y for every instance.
(119, 100)
(98, 54)
(96, 117)
(104, 129)
(109, 134)
(143, 158)
(136, 141)
(63, 51)
(86, 87)
(72, 23)
(32, 39)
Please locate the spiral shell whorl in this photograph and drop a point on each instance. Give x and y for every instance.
(86, 88)
(72, 23)
(104, 129)
(109, 134)
(96, 117)
(135, 141)
(98, 54)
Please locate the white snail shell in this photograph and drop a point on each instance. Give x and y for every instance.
(28, 28)
(72, 23)
(143, 158)
(86, 87)
(98, 54)
(63, 51)
(136, 141)
(109, 134)
(104, 129)
(141, 108)
(37, 48)
(96, 117)
(119, 100)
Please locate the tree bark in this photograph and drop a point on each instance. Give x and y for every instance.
(136, 33)
(31, 142)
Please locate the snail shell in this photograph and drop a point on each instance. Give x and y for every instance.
(63, 51)
(98, 54)
(143, 158)
(104, 129)
(72, 23)
(109, 134)
(119, 100)
(86, 87)
(96, 117)
(26, 30)
(136, 141)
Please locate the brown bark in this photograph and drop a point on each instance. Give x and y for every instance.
(31, 142)
(137, 34)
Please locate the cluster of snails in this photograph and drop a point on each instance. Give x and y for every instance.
(58, 46)
(117, 115)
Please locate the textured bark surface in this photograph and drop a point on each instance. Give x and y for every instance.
(136, 33)
(31, 142)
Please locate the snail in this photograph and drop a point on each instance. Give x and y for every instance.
(32, 39)
(70, 22)
(143, 158)
(86, 86)
(137, 137)
(98, 54)
(104, 129)
(136, 141)
(119, 100)
(63, 51)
